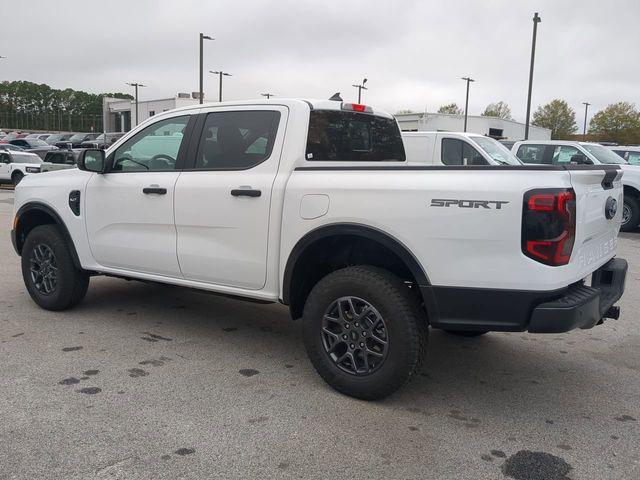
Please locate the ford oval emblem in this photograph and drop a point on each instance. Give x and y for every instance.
(610, 208)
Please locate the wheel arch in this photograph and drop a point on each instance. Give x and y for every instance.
(337, 245)
(34, 214)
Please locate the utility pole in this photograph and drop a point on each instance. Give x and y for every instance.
(466, 102)
(360, 87)
(221, 74)
(202, 38)
(136, 85)
(586, 109)
(268, 95)
(536, 21)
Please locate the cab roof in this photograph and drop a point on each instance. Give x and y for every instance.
(313, 104)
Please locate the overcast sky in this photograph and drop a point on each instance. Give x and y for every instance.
(412, 52)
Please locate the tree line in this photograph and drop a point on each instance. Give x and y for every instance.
(618, 122)
(27, 105)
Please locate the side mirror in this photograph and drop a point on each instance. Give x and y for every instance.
(92, 160)
(580, 159)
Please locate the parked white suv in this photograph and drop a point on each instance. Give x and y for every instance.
(15, 164)
(313, 204)
(559, 152)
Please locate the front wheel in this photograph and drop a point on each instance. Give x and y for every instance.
(364, 332)
(630, 214)
(48, 271)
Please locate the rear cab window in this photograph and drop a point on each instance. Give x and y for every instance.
(344, 136)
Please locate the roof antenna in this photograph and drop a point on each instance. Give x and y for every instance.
(336, 97)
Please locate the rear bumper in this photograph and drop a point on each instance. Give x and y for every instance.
(583, 306)
(576, 306)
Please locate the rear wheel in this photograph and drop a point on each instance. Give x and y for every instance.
(48, 271)
(364, 332)
(630, 213)
(16, 178)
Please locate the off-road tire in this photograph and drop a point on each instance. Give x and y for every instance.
(71, 283)
(406, 326)
(633, 204)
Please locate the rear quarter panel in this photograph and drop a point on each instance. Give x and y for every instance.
(462, 247)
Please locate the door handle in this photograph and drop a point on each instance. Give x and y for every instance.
(245, 192)
(157, 190)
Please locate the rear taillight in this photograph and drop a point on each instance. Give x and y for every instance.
(549, 225)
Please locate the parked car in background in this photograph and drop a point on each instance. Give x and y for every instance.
(560, 152)
(15, 164)
(39, 147)
(60, 159)
(38, 136)
(58, 137)
(76, 140)
(630, 153)
(455, 148)
(102, 141)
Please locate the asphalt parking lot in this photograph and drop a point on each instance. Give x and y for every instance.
(154, 382)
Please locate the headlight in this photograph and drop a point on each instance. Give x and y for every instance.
(33, 169)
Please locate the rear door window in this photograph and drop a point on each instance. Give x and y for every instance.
(237, 140)
(353, 137)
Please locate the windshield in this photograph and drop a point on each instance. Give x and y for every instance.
(496, 151)
(77, 137)
(37, 143)
(336, 135)
(603, 155)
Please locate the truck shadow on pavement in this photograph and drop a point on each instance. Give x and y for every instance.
(523, 371)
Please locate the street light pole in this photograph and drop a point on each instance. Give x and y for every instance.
(536, 21)
(268, 95)
(202, 38)
(466, 101)
(360, 87)
(221, 74)
(136, 85)
(586, 109)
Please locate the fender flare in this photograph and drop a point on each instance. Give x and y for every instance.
(353, 229)
(39, 206)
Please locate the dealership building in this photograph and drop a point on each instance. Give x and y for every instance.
(120, 115)
(490, 126)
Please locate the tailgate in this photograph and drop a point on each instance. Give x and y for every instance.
(599, 192)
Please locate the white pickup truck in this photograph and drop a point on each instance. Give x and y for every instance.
(312, 204)
(455, 148)
(564, 152)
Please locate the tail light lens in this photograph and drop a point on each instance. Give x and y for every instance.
(549, 225)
